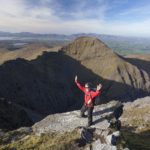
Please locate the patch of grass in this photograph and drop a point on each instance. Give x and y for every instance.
(136, 128)
(44, 142)
(136, 116)
(12, 136)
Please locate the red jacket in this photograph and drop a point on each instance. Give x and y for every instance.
(88, 95)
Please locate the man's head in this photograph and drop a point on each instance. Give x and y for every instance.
(88, 87)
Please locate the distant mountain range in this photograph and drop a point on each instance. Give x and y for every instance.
(120, 44)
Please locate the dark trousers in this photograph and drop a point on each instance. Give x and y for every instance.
(90, 112)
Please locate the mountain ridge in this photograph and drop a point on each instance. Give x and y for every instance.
(105, 62)
(120, 44)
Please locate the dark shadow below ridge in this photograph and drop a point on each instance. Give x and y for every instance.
(46, 85)
(141, 64)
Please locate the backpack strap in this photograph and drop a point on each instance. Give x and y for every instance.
(90, 105)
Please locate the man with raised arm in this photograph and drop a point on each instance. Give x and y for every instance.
(88, 98)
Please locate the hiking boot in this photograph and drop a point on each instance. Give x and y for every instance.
(83, 116)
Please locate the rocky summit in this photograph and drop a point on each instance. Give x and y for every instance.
(121, 78)
(70, 120)
(69, 131)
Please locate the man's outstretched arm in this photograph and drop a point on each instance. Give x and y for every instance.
(78, 84)
(98, 91)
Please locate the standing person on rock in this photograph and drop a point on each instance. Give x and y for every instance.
(88, 99)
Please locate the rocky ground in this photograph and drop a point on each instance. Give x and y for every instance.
(68, 131)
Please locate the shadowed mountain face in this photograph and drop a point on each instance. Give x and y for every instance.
(45, 85)
(141, 61)
(13, 116)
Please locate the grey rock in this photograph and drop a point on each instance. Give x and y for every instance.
(108, 147)
(116, 133)
(126, 149)
(97, 145)
(67, 122)
(98, 131)
(102, 133)
(112, 138)
(105, 133)
(87, 148)
(25, 129)
(108, 139)
(138, 105)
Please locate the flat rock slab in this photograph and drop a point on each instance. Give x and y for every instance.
(67, 122)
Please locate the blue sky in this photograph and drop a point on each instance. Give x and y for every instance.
(117, 17)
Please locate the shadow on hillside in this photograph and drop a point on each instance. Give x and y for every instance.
(99, 120)
(141, 64)
(100, 112)
(46, 85)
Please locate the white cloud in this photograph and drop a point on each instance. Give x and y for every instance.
(10, 8)
(142, 10)
(15, 17)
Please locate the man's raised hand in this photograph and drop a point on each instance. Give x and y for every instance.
(76, 78)
(99, 86)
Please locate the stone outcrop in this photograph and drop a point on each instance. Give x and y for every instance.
(100, 136)
(67, 122)
(69, 131)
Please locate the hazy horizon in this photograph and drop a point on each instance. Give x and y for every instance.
(109, 17)
(86, 34)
